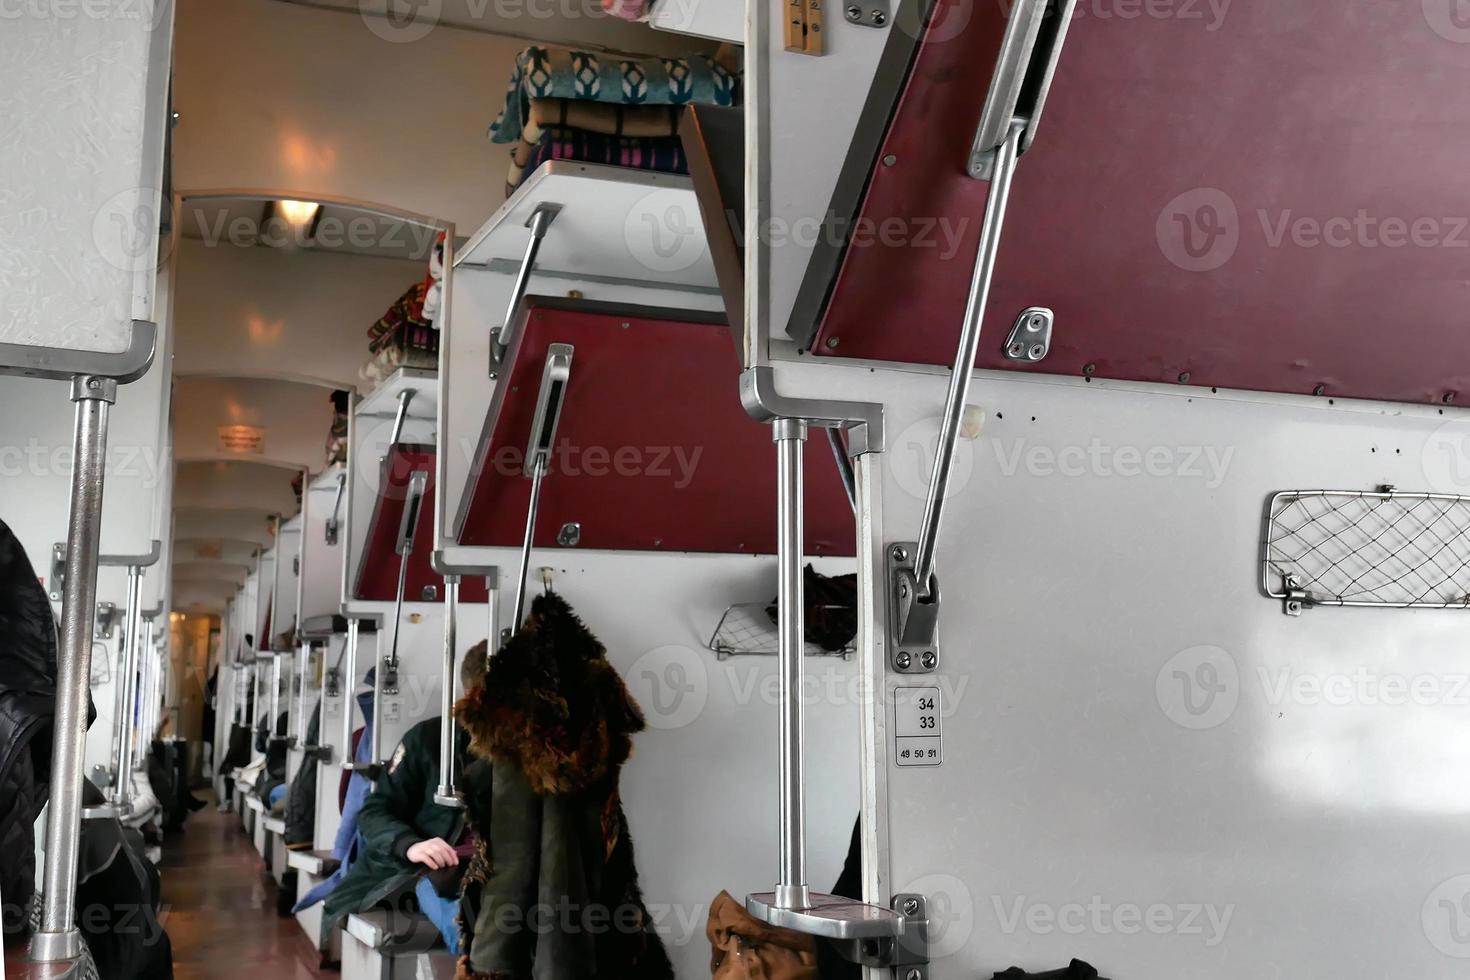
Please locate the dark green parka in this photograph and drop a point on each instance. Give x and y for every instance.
(398, 813)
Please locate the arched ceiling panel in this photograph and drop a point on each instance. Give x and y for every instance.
(211, 571)
(235, 486)
(231, 525)
(280, 421)
(227, 550)
(275, 313)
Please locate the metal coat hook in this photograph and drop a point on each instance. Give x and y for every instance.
(549, 402)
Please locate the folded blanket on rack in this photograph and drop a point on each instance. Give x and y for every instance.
(601, 117)
(665, 154)
(396, 326)
(588, 76)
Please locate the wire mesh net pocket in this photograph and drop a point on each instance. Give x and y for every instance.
(1376, 548)
(747, 630)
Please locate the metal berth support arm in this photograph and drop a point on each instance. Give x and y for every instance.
(500, 337)
(385, 678)
(1024, 69)
(549, 402)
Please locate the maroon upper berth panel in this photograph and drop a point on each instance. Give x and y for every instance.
(377, 575)
(1258, 195)
(653, 452)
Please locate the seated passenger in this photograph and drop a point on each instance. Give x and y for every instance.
(412, 843)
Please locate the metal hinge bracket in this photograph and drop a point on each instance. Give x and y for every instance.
(1294, 598)
(868, 13)
(915, 623)
(1030, 338)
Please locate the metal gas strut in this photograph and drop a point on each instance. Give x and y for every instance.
(1023, 74)
(501, 337)
(386, 676)
(549, 402)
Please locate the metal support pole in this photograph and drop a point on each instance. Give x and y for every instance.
(126, 701)
(303, 674)
(791, 887)
(964, 362)
(538, 472)
(258, 689)
(58, 938)
(270, 722)
(349, 691)
(447, 794)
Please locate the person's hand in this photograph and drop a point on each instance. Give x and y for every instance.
(434, 852)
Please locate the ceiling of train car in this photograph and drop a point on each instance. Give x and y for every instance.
(224, 515)
(305, 227)
(282, 423)
(564, 22)
(252, 405)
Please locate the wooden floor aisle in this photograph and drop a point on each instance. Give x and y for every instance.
(220, 907)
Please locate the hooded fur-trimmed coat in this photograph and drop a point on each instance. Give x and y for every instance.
(552, 892)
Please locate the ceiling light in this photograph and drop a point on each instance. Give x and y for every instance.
(297, 213)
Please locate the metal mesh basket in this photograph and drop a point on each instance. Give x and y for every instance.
(1376, 548)
(746, 630)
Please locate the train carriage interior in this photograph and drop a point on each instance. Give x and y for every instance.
(652, 489)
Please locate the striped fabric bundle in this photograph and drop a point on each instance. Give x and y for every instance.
(664, 154)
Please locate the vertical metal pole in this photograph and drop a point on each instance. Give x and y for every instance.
(275, 698)
(964, 363)
(380, 683)
(492, 614)
(127, 693)
(790, 439)
(303, 674)
(537, 473)
(447, 794)
(242, 695)
(58, 938)
(257, 683)
(349, 690)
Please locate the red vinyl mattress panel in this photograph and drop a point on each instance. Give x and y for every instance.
(1258, 195)
(377, 577)
(653, 452)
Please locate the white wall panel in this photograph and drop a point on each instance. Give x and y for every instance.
(1146, 764)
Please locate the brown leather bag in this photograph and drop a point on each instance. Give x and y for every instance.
(744, 948)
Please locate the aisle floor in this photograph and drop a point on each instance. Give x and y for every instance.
(220, 907)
